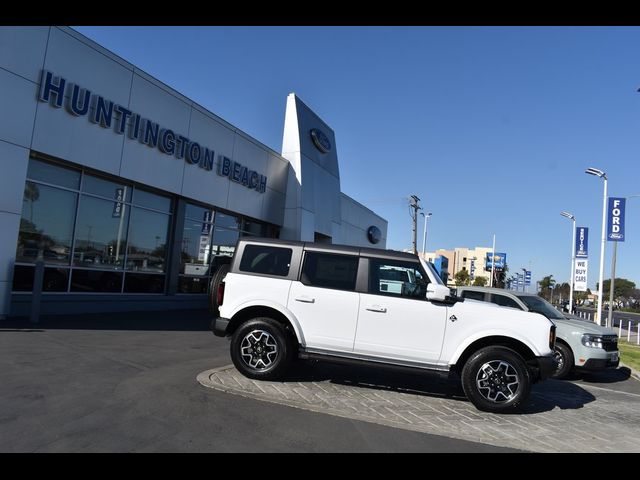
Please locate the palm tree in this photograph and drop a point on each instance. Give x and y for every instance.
(32, 194)
(545, 284)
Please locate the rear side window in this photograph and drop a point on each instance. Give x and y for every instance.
(504, 301)
(473, 295)
(330, 271)
(266, 260)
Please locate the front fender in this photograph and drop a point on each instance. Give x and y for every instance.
(492, 333)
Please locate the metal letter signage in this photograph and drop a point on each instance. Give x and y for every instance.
(580, 275)
(582, 242)
(615, 219)
(320, 140)
(101, 111)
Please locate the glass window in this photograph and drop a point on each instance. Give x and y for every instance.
(106, 188)
(96, 281)
(227, 221)
(193, 284)
(540, 305)
(330, 271)
(152, 200)
(54, 280)
(147, 245)
(267, 260)
(402, 279)
(196, 212)
(143, 283)
(504, 301)
(473, 295)
(101, 233)
(254, 228)
(196, 248)
(224, 241)
(54, 174)
(46, 224)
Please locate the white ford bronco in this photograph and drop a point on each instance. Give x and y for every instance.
(383, 308)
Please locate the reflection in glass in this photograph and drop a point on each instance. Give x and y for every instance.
(143, 283)
(151, 200)
(254, 228)
(224, 241)
(96, 281)
(196, 248)
(54, 279)
(46, 224)
(106, 188)
(147, 247)
(227, 221)
(101, 233)
(54, 174)
(195, 212)
(193, 284)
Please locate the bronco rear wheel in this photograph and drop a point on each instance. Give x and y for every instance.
(260, 349)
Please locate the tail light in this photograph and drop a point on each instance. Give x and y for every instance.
(552, 337)
(220, 294)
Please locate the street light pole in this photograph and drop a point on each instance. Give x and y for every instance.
(573, 257)
(601, 174)
(424, 233)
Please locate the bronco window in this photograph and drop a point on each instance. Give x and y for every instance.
(330, 271)
(402, 279)
(266, 260)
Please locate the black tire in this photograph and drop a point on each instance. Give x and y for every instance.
(261, 349)
(564, 357)
(221, 272)
(488, 379)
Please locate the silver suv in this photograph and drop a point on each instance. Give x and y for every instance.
(580, 344)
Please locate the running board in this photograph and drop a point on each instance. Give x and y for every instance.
(442, 371)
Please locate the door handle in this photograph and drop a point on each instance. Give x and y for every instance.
(377, 308)
(305, 299)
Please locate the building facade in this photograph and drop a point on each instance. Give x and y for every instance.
(132, 194)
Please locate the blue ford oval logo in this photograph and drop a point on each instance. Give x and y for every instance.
(320, 140)
(374, 234)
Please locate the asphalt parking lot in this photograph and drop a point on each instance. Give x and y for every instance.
(127, 383)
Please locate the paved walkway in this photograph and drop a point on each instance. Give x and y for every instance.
(560, 416)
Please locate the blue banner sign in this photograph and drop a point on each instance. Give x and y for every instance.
(582, 242)
(117, 206)
(527, 277)
(500, 258)
(615, 219)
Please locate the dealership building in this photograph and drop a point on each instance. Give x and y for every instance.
(131, 194)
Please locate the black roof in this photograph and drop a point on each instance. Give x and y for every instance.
(333, 248)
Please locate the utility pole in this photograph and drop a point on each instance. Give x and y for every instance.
(413, 203)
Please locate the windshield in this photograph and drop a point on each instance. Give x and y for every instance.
(432, 270)
(540, 305)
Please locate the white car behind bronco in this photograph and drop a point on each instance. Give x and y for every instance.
(378, 307)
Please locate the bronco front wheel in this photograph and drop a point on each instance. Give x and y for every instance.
(496, 379)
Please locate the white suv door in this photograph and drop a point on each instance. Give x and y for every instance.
(325, 301)
(395, 318)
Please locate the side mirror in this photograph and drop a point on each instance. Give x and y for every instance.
(438, 293)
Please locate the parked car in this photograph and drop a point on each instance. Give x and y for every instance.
(580, 345)
(375, 307)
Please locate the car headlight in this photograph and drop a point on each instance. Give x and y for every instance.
(594, 341)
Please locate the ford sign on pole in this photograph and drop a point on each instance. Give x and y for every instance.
(582, 242)
(615, 219)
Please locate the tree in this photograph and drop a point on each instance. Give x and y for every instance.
(462, 278)
(622, 289)
(480, 282)
(545, 285)
(32, 194)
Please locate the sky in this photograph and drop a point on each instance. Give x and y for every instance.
(491, 127)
